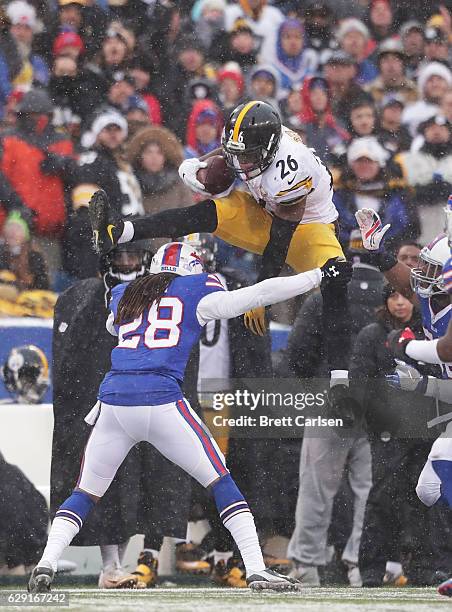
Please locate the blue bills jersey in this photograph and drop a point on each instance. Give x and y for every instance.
(148, 364)
(435, 325)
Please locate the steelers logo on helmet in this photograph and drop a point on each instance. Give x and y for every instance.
(251, 138)
(426, 277)
(26, 374)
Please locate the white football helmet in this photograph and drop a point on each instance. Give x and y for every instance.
(178, 258)
(426, 278)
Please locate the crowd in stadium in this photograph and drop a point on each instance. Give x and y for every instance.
(114, 95)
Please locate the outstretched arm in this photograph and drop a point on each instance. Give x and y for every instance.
(226, 305)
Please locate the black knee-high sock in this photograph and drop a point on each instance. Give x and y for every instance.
(336, 325)
(177, 222)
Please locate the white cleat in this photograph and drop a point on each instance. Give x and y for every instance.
(269, 580)
(114, 577)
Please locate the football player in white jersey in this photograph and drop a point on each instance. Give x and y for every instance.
(285, 213)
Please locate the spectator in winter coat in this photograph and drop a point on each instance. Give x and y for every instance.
(366, 183)
(204, 128)
(318, 19)
(433, 81)
(231, 86)
(23, 26)
(80, 16)
(264, 85)
(429, 172)
(412, 37)
(392, 79)
(188, 64)
(142, 72)
(353, 37)
(391, 134)
(155, 155)
(239, 45)
(263, 20)
(293, 61)
(340, 70)
(321, 130)
(117, 48)
(18, 256)
(381, 20)
(21, 172)
(208, 17)
(75, 90)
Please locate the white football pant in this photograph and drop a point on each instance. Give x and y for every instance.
(173, 429)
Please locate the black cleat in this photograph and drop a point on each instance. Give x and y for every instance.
(41, 578)
(106, 225)
(269, 580)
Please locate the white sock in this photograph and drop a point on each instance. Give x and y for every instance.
(243, 530)
(127, 232)
(110, 555)
(122, 551)
(339, 377)
(61, 534)
(221, 556)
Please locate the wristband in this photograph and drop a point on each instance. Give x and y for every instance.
(386, 260)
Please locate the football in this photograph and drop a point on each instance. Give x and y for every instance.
(216, 176)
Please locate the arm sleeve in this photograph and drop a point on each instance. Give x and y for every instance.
(222, 305)
(275, 253)
(423, 350)
(177, 222)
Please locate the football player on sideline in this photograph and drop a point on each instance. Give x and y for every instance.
(431, 285)
(287, 215)
(158, 318)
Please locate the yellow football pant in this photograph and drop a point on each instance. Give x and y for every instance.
(243, 223)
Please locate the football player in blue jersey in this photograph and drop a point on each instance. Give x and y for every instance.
(158, 318)
(432, 287)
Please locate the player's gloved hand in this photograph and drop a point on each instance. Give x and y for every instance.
(407, 378)
(397, 342)
(371, 228)
(336, 270)
(255, 320)
(447, 276)
(187, 172)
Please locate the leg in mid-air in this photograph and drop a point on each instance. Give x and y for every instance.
(180, 436)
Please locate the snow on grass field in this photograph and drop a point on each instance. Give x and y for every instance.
(169, 599)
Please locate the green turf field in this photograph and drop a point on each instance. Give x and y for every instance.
(177, 599)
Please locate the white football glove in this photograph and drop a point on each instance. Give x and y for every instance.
(406, 378)
(371, 228)
(187, 172)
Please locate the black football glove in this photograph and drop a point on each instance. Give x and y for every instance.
(397, 342)
(336, 270)
(342, 405)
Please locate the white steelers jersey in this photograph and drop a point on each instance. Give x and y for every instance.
(296, 172)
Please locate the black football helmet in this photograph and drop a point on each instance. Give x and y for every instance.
(26, 374)
(207, 247)
(125, 263)
(251, 138)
